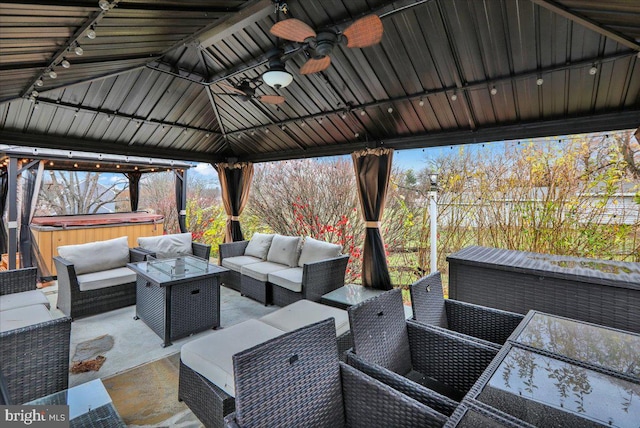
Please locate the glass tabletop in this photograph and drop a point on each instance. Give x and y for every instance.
(178, 267)
(88, 403)
(537, 388)
(613, 349)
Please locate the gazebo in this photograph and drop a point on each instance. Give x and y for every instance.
(31, 162)
(194, 80)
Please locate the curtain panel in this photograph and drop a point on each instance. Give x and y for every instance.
(134, 188)
(4, 186)
(373, 169)
(181, 199)
(235, 183)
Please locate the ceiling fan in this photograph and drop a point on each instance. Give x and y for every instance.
(366, 31)
(246, 90)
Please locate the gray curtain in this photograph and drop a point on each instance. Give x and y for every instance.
(235, 183)
(373, 169)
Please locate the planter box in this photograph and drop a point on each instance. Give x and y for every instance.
(598, 291)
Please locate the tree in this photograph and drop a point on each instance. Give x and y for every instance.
(76, 192)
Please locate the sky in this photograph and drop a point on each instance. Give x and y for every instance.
(416, 159)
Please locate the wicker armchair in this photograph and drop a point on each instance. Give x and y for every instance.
(296, 380)
(487, 325)
(35, 358)
(199, 250)
(426, 363)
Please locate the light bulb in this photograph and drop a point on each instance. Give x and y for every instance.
(79, 51)
(302, 124)
(35, 93)
(454, 97)
(39, 82)
(390, 110)
(104, 4)
(421, 103)
(53, 74)
(494, 91)
(593, 71)
(362, 113)
(91, 33)
(65, 63)
(539, 82)
(357, 134)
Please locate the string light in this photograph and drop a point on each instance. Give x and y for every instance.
(53, 74)
(494, 91)
(593, 70)
(421, 102)
(362, 113)
(91, 33)
(78, 50)
(39, 82)
(454, 96)
(390, 110)
(65, 63)
(540, 81)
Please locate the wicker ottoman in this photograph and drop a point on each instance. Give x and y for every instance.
(206, 382)
(305, 312)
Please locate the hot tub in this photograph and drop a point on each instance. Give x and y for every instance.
(51, 232)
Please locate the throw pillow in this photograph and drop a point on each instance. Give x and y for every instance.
(168, 246)
(314, 251)
(259, 245)
(284, 250)
(97, 256)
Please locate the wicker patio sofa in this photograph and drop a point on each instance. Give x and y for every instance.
(273, 268)
(94, 277)
(34, 346)
(599, 291)
(489, 326)
(428, 364)
(303, 384)
(206, 382)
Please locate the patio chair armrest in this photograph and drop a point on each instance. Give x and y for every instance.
(368, 402)
(321, 277)
(490, 324)
(201, 250)
(68, 286)
(139, 254)
(418, 392)
(232, 249)
(451, 359)
(18, 280)
(44, 359)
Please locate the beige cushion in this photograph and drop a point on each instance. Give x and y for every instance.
(168, 246)
(24, 298)
(261, 271)
(24, 316)
(315, 251)
(211, 356)
(305, 312)
(285, 250)
(291, 279)
(106, 278)
(236, 263)
(97, 256)
(258, 245)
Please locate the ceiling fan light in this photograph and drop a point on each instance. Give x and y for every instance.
(277, 78)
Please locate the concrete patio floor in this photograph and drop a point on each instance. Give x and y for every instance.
(134, 342)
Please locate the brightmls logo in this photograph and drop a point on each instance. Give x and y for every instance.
(35, 416)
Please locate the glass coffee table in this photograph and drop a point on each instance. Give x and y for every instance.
(89, 405)
(178, 297)
(556, 371)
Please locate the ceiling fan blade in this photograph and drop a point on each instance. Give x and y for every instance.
(271, 99)
(364, 32)
(315, 65)
(231, 88)
(292, 29)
